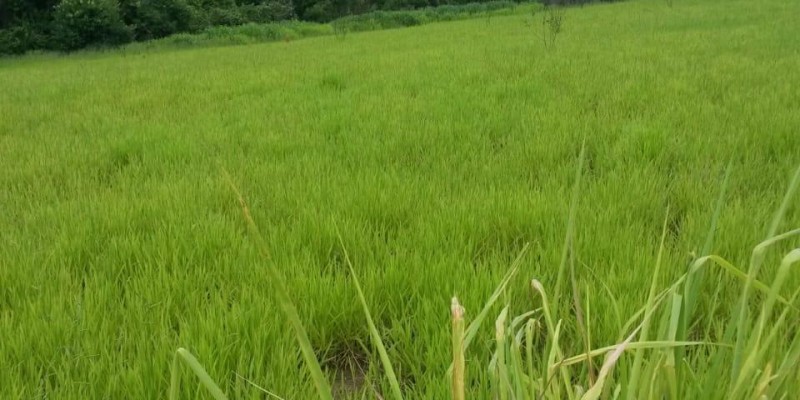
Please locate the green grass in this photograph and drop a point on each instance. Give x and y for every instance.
(432, 155)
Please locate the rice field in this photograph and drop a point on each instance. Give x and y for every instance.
(429, 156)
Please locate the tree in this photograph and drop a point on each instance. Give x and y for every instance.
(152, 19)
(82, 23)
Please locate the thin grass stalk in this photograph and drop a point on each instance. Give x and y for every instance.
(696, 278)
(459, 365)
(790, 361)
(597, 389)
(728, 267)
(579, 317)
(260, 388)
(529, 326)
(284, 300)
(552, 367)
(780, 278)
(199, 371)
(670, 365)
(562, 266)
(472, 328)
(755, 264)
(394, 385)
(501, 366)
(741, 321)
(757, 349)
(518, 376)
(592, 377)
(645, 331)
(773, 334)
(552, 330)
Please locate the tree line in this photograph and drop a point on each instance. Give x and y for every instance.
(66, 25)
(73, 24)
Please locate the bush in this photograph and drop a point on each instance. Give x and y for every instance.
(378, 20)
(270, 12)
(82, 23)
(321, 11)
(21, 38)
(398, 19)
(152, 19)
(225, 17)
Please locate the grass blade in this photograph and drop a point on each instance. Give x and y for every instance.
(755, 264)
(757, 349)
(728, 267)
(654, 344)
(473, 327)
(573, 208)
(579, 317)
(290, 311)
(696, 278)
(502, 369)
(199, 371)
(645, 330)
(553, 330)
(457, 313)
(262, 389)
(597, 389)
(394, 385)
(787, 199)
(529, 327)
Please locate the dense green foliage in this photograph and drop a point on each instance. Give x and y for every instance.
(292, 30)
(72, 24)
(436, 152)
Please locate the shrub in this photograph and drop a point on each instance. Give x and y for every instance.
(21, 38)
(225, 17)
(151, 19)
(321, 11)
(81, 23)
(268, 12)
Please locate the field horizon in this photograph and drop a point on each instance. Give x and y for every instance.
(431, 154)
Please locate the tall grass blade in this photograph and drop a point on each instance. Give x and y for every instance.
(579, 317)
(670, 364)
(597, 389)
(755, 264)
(741, 322)
(529, 327)
(787, 199)
(279, 286)
(260, 388)
(457, 314)
(199, 371)
(790, 361)
(734, 271)
(553, 332)
(696, 278)
(394, 385)
(763, 383)
(645, 330)
(517, 375)
(473, 327)
(652, 344)
(500, 342)
(552, 367)
(757, 348)
(573, 208)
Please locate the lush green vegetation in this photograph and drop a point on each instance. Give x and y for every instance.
(293, 30)
(68, 25)
(429, 157)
